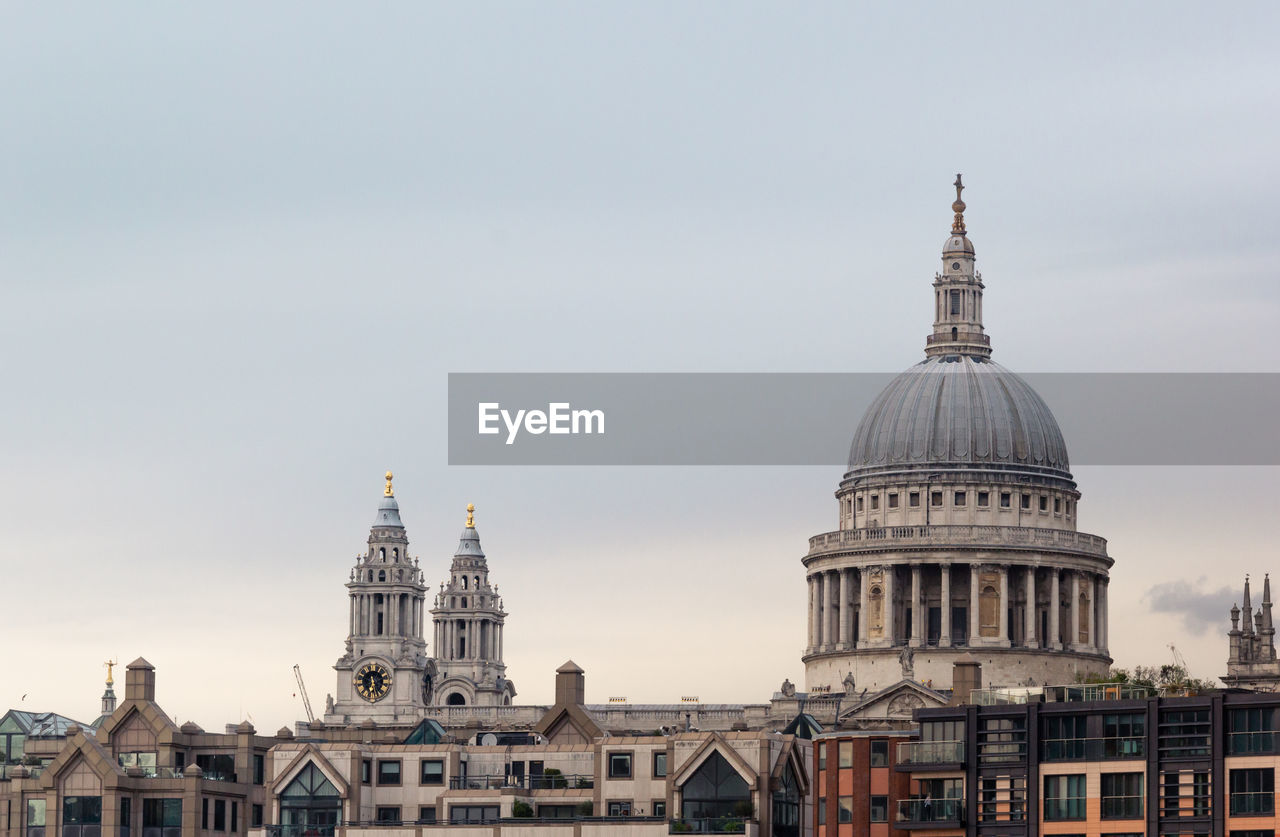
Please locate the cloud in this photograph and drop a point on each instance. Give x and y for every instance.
(1200, 608)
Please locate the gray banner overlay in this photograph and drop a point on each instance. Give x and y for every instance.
(810, 419)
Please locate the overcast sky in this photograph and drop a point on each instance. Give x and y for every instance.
(242, 246)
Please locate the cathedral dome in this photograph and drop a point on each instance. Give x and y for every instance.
(958, 411)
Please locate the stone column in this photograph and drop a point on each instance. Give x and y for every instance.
(1092, 582)
(1002, 617)
(915, 640)
(975, 622)
(944, 639)
(1055, 610)
(812, 611)
(890, 623)
(864, 606)
(817, 611)
(1029, 627)
(833, 611)
(842, 638)
(1105, 619)
(1073, 641)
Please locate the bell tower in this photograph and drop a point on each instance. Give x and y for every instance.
(382, 675)
(469, 619)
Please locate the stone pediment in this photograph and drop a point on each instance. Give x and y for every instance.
(896, 703)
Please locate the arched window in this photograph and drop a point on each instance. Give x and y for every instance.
(477, 584)
(955, 332)
(457, 699)
(714, 790)
(382, 554)
(371, 575)
(310, 803)
(377, 604)
(382, 575)
(464, 601)
(464, 582)
(395, 555)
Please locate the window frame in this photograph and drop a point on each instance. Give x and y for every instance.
(612, 772)
(384, 780)
(424, 779)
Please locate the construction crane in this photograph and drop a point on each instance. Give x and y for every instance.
(302, 690)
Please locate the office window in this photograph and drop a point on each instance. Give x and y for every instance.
(846, 754)
(619, 765)
(1250, 731)
(1122, 796)
(942, 730)
(913, 499)
(1253, 791)
(427, 814)
(619, 808)
(880, 753)
(1124, 736)
(879, 809)
(388, 771)
(161, 813)
(219, 815)
(473, 813)
(844, 807)
(431, 772)
(1064, 797)
(1184, 733)
(659, 764)
(387, 813)
(1064, 737)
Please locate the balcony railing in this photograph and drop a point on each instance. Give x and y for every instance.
(1093, 749)
(708, 825)
(1065, 808)
(1253, 803)
(1246, 743)
(540, 781)
(1122, 807)
(1063, 540)
(929, 810)
(930, 752)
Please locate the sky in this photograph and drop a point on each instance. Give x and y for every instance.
(243, 245)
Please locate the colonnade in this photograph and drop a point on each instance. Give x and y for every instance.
(483, 639)
(861, 607)
(402, 614)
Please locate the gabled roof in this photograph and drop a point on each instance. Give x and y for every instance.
(804, 726)
(571, 714)
(791, 754)
(79, 747)
(715, 743)
(309, 754)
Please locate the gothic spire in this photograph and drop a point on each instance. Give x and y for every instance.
(1247, 609)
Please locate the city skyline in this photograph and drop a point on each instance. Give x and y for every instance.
(238, 267)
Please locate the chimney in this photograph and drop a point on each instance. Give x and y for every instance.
(966, 676)
(140, 681)
(571, 687)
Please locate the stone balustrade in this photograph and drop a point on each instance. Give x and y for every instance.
(1013, 537)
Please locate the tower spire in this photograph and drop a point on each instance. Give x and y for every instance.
(957, 304)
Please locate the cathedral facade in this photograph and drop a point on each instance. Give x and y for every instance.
(957, 519)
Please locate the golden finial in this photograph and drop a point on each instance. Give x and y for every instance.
(471, 515)
(957, 226)
(388, 491)
(110, 664)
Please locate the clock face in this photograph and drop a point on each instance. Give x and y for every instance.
(372, 682)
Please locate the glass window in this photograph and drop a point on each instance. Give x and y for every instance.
(1026, 501)
(846, 754)
(388, 772)
(822, 810)
(1044, 503)
(913, 499)
(935, 499)
(1184, 733)
(879, 809)
(219, 815)
(1124, 736)
(217, 766)
(659, 807)
(880, 753)
(619, 808)
(619, 765)
(1064, 797)
(81, 810)
(1253, 791)
(235, 816)
(387, 813)
(1002, 739)
(659, 764)
(984, 499)
(960, 498)
(255, 821)
(366, 771)
(427, 814)
(432, 772)
(1005, 499)
(714, 789)
(162, 813)
(35, 812)
(845, 807)
(875, 501)
(473, 813)
(1122, 796)
(1251, 730)
(126, 812)
(259, 768)
(1064, 737)
(822, 755)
